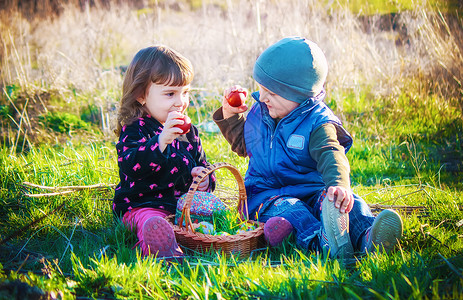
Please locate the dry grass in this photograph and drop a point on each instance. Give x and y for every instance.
(80, 50)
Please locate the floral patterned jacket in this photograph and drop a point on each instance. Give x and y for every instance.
(149, 177)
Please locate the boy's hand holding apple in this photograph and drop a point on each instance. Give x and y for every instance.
(234, 101)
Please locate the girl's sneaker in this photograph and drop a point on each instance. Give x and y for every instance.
(159, 237)
(384, 233)
(334, 233)
(276, 229)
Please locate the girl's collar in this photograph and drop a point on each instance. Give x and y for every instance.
(151, 120)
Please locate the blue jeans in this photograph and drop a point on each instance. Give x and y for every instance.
(306, 220)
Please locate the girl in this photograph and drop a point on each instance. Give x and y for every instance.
(156, 160)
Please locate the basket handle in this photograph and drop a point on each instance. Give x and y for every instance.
(242, 200)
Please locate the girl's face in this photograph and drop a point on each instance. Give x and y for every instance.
(161, 99)
(278, 107)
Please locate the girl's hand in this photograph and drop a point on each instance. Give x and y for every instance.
(342, 197)
(170, 132)
(229, 110)
(204, 185)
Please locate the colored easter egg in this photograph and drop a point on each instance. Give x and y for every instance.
(205, 228)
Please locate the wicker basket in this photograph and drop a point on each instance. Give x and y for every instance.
(239, 244)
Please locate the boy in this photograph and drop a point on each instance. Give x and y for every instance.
(298, 174)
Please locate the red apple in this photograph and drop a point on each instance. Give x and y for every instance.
(185, 127)
(236, 98)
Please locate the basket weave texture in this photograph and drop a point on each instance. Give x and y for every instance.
(241, 244)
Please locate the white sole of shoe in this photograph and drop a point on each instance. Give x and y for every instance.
(386, 230)
(336, 227)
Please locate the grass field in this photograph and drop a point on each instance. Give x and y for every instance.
(394, 80)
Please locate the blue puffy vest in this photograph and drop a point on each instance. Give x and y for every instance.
(279, 158)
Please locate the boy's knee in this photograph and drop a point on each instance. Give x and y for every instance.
(289, 201)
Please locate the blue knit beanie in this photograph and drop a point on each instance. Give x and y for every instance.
(293, 68)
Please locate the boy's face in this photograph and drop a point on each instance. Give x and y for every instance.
(278, 107)
(161, 99)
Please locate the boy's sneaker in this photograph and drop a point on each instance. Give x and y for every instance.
(385, 232)
(335, 231)
(276, 229)
(159, 237)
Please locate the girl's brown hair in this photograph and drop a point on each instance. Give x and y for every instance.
(156, 64)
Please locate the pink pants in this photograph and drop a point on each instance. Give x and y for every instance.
(136, 217)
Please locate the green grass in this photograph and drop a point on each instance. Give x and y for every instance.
(88, 254)
(79, 250)
(394, 6)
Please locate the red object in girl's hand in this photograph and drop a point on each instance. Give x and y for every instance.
(185, 127)
(236, 98)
